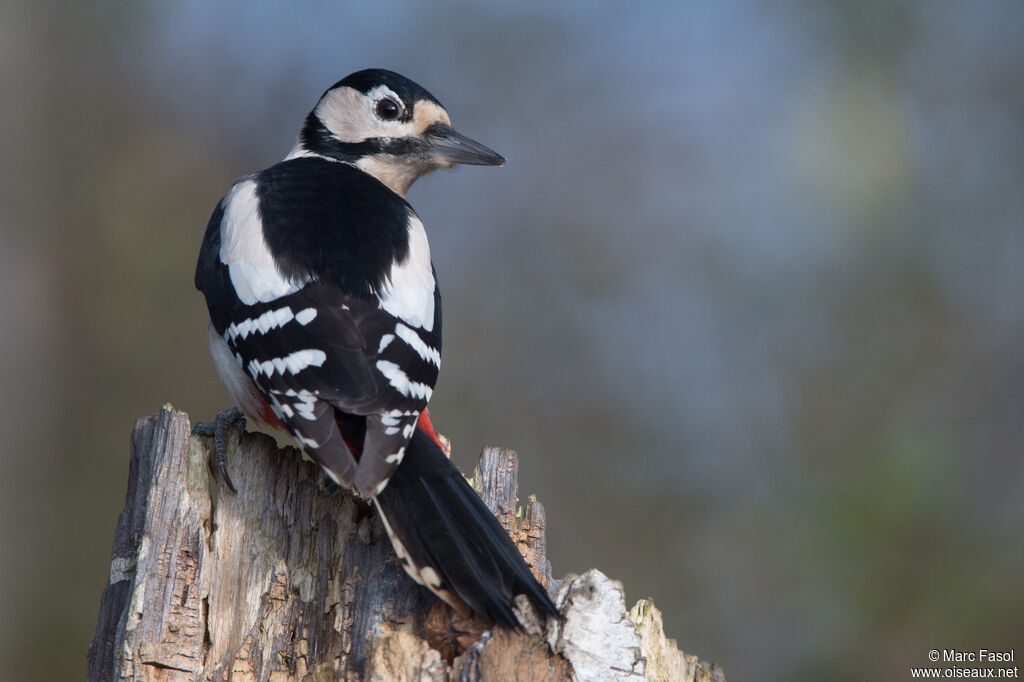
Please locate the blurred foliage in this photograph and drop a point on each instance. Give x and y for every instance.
(746, 297)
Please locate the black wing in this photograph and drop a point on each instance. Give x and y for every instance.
(334, 342)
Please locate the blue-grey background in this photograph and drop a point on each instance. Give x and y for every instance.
(747, 297)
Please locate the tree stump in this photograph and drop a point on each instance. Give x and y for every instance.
(287, 580)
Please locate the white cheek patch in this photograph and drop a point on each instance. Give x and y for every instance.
(349, 115)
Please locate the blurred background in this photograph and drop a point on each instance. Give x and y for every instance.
(747, 297)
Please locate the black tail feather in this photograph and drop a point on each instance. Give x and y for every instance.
(444, 526)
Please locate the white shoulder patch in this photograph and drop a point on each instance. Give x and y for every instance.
(244, 250)
(408, 293)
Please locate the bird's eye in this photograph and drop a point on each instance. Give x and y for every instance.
(388, 109)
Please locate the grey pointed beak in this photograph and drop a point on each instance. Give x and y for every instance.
(451, 147)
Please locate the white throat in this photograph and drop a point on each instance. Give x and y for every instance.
(395, 174)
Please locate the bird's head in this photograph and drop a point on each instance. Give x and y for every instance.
(389, 127)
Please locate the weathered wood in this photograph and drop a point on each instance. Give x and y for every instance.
(496, 478)
(287, 580)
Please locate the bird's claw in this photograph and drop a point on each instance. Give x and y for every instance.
(218, 429)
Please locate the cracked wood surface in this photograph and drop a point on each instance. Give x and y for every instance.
(287, 581)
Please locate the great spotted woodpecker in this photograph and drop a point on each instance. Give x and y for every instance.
(325, 321)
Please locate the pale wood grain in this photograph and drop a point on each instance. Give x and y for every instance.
(287, 581)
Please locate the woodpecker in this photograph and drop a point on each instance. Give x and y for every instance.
(325, 322)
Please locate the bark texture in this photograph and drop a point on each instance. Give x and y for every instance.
(290, 581)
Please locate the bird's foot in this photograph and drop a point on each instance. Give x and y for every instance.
(218, 429)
